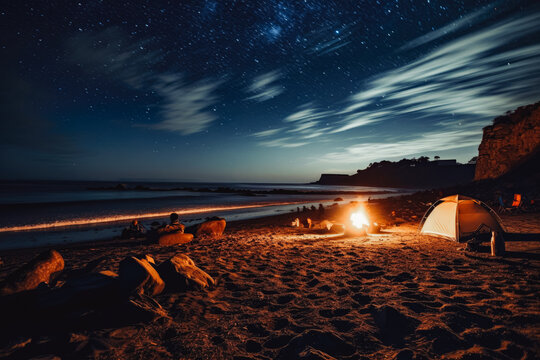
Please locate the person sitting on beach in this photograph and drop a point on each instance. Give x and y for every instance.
(135, 229)
(174, 227)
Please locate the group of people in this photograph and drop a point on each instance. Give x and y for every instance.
(136, 229)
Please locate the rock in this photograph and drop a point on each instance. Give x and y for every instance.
(214, 227)
(180, 273)
(140, 276)
(326, 224)
(90, 289)
(174, 239)
(324, 341)
(338, 199)
(337, 229)
(150, 259)
(508, 142)
(42, 269)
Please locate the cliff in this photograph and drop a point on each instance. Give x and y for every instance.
(512, 140)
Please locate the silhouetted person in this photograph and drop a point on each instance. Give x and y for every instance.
(135, 229)
(313, 208)
(174, 226)
(321, 209)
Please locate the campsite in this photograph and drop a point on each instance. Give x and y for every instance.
(284, 292)
(270, 180)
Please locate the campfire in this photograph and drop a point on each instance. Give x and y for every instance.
(360, 224)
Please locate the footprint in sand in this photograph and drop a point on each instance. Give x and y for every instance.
(361, 299)
(443, 268)
(331, 313)
(253, 346)
(257, 330)
(276, 342)
(280, 323)
(343, 325)
(285, 299)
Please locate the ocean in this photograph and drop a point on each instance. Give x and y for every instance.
(42, 213)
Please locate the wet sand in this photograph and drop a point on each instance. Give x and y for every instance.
(290, 293)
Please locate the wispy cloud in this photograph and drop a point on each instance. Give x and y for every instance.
(286, 142)
(302, 124)
(478, 75)
(264, 87)
(185, 107)
(417, 145)
(469, 79)
(266, 133)
(467, 20)
(338, 38)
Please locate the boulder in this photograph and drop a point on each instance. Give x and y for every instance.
(42, 269)
(214, 227)
(174, 239)
(138, 275)
(90, 289)
(180, 273)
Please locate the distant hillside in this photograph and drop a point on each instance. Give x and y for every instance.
(406, 173)
(512, 140)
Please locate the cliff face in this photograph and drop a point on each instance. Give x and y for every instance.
(508, 142)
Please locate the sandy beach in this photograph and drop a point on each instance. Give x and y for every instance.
(289, 293)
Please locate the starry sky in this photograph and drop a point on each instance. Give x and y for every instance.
(260, 91)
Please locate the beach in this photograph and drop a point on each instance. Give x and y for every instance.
(290, 293)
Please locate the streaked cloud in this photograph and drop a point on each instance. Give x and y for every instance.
(478, 75)
(185, 107)
(264, 87)
(286, 142)
(467, 20)
(417, 145)
(467, 80)
(266, 133)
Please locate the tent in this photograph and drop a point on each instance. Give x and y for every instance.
(460, 218)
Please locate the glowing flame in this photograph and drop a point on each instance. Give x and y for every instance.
(359, 219)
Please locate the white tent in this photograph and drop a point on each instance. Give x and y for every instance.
(459, 217)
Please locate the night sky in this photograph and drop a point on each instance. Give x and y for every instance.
(263, 91)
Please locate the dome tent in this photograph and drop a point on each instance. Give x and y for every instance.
(459, 218)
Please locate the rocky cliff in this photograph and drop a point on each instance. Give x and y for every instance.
(510, 141)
